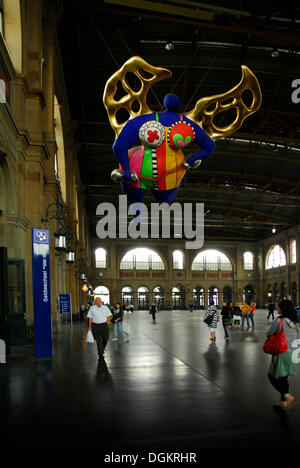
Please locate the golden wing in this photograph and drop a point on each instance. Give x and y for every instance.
(207, 108)
(132, 99)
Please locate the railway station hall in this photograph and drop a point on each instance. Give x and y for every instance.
(149, 227)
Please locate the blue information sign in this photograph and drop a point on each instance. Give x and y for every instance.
(41, 292)
(65, 303)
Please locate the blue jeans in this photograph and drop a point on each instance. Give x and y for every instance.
(119, 326)
(243, 320)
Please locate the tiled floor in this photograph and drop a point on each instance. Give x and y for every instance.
(167, 389)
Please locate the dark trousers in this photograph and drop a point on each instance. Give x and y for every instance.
(225, 329)
(101, 334)
(271, 312)
(281, 385)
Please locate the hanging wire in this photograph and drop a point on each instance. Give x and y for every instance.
(188, 64)
(130, 51)
(103, 40)
(204, 76)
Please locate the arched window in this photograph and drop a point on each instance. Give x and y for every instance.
(177, 260)
(213, 295)
(283, 291)
(141, 259)
(198, 297)
(248, 260)
(211, 260)
(293, 251)
(276, 257)
(159, 297)
(178, 297)
(143, 298)
(227, 294)
(103, 292)
(100, 258)
(248, 293)
(127, 295)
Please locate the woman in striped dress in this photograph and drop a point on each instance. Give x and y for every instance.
(212, 317)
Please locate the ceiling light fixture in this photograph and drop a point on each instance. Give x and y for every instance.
(275, 53)
(169, 46)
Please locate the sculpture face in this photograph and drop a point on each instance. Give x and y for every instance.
(159, 162)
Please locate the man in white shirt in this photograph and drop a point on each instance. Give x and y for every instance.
(98, 316)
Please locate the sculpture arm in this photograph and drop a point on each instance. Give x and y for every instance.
(127, 138)
(205, 142)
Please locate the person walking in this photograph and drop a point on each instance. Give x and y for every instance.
(251, 315)
(245, 314)
(99, 317)
(226, 318)
(271, 308)
(283, 365)
(117, 320)
(153, 310)
(211, 318)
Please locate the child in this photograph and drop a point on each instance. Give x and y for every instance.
(237, 316)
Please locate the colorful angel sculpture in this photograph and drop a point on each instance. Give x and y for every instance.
(158, 162)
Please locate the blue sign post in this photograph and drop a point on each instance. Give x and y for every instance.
(41, 292)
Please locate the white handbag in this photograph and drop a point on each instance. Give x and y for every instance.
(89, 337)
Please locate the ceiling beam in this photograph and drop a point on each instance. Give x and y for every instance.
(285, 36)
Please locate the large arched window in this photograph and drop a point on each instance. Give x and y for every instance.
(100, 258)
(211, 260)
(293, 251)
(141, 259)
(248, 260)
(276, 257)
(177, 260)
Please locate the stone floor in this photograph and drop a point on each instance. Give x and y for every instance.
(167, 389)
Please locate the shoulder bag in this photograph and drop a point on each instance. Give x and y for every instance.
(277, 342)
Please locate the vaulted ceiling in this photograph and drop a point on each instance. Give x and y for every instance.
(252, 181)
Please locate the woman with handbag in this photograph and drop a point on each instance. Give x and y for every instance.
(117, 320)
(211, 318)
(282, 364)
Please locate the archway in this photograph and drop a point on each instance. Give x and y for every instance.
(248, 293)
(159, 297)
(283, 291)
(127, 295)
(103, 293)
(227, 294)
(198, 297)
(213, 295)
(143, 298)
(178, 297)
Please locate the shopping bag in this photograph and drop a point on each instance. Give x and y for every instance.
(89, 337)
(276, 343)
